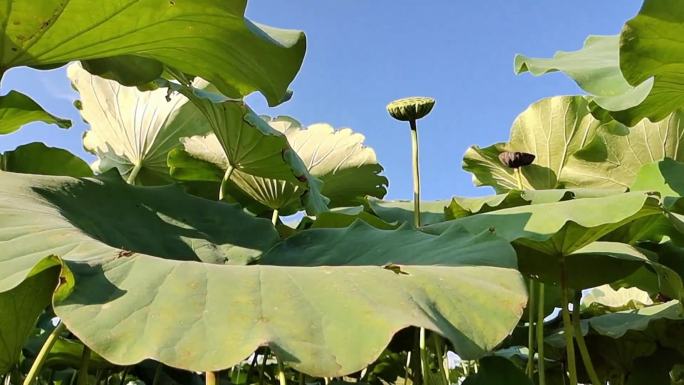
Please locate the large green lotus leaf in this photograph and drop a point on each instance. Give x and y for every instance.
(348, 169)
(37, 158)
(17, 109)
(552, 129)
(560, 228)
(136, 288)
(617, 153)
(205, 38)
(133, 131)
(596, 69)
(19, 311)
(652, 46)
(463, 207)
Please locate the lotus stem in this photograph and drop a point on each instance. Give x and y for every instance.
(440, 354)
(274, 217)
(251, 367)
(210, 378)
(581, 344)
(301, 379)
(157, 373)
(124, 374)
(530, 329)
(567, 327)
(281, 372)
(424, 365)
(540, 334)
(406, 369)
(224, 181)
(42, 355)
(261, 368)
(83, 368)
(134, 174)
(416, 174)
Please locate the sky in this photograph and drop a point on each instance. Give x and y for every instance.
(362, 54)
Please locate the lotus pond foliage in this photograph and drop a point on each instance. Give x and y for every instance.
(167, 261)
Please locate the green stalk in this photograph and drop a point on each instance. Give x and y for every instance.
(261, 368)
(210, 378)
(581, 344)
(416, 223)
(540, 334)
(416, 174)
(530, 330)
(567, 327)
(281, 372)
(406, 369)
(274, 217)
(226, 178)
(134, 174)
(157, 373)
(251, 368)
(440, 354)
(42, 355)
(83, 368)
(124, 374)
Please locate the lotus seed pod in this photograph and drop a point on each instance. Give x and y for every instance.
(516, 159)
(413, 108)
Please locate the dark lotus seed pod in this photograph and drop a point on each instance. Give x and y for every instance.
(413, 108)
(516, 159)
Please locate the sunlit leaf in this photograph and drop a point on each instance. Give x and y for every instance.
(37, 158)
(133, 131)
(17, 109)
(176, 33)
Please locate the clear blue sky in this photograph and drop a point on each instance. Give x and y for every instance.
(364, 53)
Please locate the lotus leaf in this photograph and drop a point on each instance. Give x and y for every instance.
(128, 266)
(48, 33)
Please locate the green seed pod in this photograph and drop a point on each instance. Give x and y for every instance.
(516, 159)
(413, 108)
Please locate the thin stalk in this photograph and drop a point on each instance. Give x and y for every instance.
(406, 369)
(424, 365)
(416, 223)
(210, 378)
(42, 355)
(157, 374)
(124, 374)
(261, 368)
(567, 328)
(584, 352)
(530, 330)
(251, 368)
(226, 178)
(134, 173)
(98, 377)
(416, 174)
(274, 217)
(440, 354)
(301, 379)
(281, 372)
(540, 334)
(83, 368)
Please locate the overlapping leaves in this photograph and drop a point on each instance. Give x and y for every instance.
(131, 263)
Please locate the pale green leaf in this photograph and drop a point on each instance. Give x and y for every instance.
(133, 131)
(596, 69)
(552, 129)
(616, 154)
